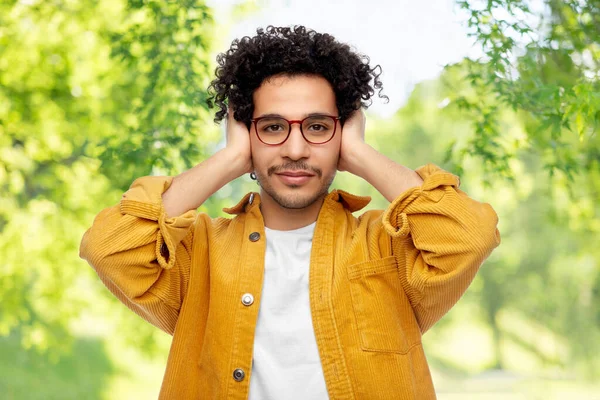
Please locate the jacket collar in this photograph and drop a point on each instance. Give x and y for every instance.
(349, 201)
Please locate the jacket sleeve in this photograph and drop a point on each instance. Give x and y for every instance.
(142, 256)
(440, 238)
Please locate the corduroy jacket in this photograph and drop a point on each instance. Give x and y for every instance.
(377, 282)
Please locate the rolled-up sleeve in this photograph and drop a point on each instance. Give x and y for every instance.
(144, 200)
(440, 237)
(140, 254)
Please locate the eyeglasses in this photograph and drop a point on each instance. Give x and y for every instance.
(316, 129)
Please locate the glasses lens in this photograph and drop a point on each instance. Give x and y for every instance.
(272, 130)
(318, 129)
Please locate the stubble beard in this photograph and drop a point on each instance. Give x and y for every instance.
(295, 201)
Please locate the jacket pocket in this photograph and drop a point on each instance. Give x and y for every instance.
(384, 317)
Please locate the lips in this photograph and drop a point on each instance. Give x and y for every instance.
(295, 173)
(295, 178)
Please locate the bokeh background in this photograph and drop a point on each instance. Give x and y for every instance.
(504, 93)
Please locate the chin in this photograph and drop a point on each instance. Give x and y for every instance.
(294, 197)
(297, 202)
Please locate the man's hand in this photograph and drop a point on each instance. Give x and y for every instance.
(238, 144)
(353, 142)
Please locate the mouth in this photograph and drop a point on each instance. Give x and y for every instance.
(295, 178)
(296, 173)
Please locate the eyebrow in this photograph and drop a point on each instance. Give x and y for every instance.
(272, 115)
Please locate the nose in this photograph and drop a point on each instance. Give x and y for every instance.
(295, 147)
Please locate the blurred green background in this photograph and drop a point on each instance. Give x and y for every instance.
(94, 94)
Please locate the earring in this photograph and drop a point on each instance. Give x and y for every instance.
(252, 176)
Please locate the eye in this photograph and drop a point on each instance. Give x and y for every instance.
(317, 127)
(273, 128)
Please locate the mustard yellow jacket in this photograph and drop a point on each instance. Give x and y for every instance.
(377, 283)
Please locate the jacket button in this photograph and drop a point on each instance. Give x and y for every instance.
(238, 374)
(247, 299)
(254, 236)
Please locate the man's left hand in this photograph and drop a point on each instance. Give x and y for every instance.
(353, 140)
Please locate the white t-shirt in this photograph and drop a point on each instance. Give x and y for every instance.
(286, 363)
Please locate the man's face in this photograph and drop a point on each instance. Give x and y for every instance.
(294, 98)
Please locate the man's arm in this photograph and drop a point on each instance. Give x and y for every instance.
(388, 177)
(141, 248)
(357, 157)
(439, 236)
(192, 188)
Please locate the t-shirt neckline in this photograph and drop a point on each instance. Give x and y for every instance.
(304, 229)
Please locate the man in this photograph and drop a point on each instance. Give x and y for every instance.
(293, 297)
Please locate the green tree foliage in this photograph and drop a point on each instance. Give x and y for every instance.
(92, 94)
(533, 103)
(161, 47)
(545, 64)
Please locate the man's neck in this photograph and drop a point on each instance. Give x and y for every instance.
(286, 219)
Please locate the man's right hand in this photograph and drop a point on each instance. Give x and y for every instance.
(238, 143)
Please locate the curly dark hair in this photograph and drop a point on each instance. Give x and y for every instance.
(291, 51)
